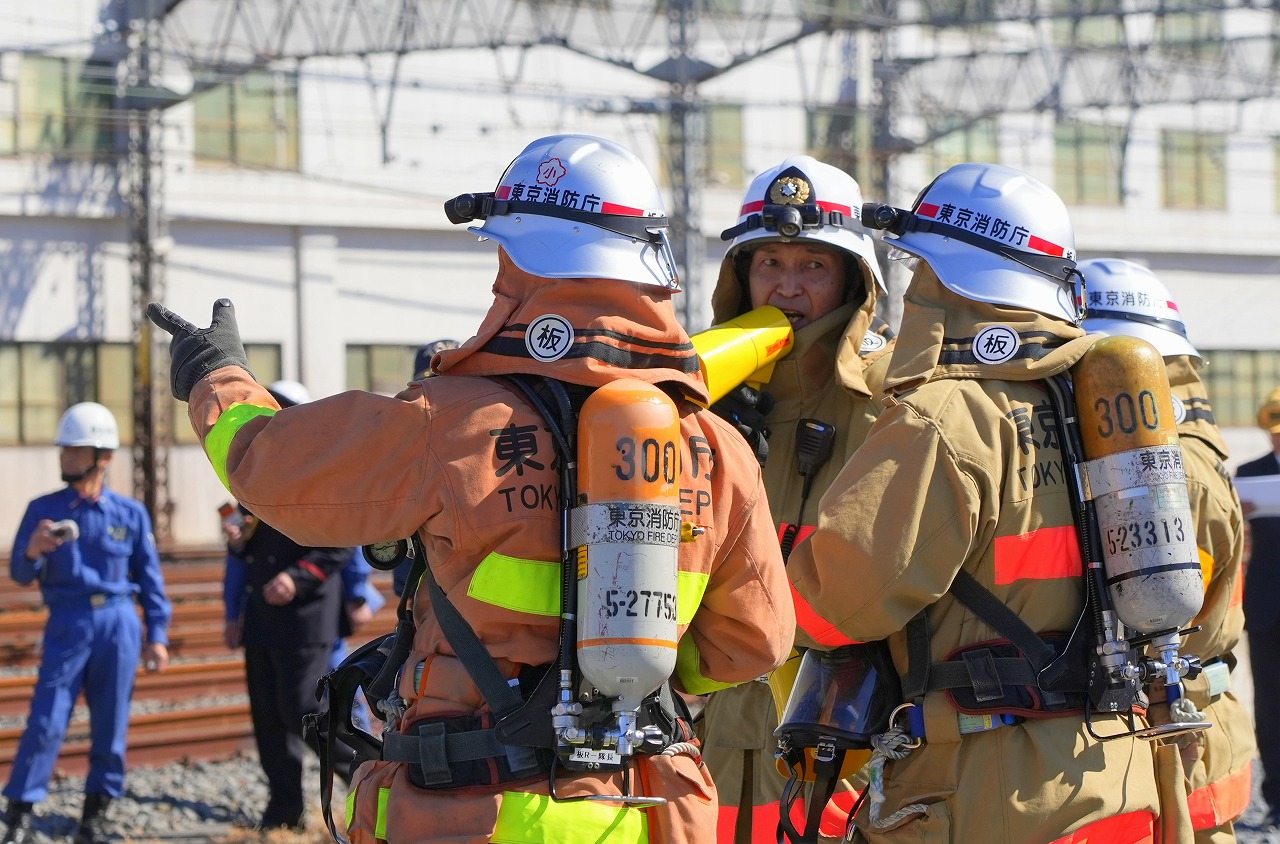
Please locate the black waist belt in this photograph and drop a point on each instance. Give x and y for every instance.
(456, 752)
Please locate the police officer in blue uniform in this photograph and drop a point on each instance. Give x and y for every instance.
(93, 553)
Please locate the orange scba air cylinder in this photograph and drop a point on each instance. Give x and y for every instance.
(626, 528)
(1134, 475)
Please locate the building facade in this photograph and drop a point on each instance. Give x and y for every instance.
(309, 191)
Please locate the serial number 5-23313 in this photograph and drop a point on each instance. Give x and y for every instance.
(1135, 535)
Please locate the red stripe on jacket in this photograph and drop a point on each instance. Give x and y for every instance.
(1044, 554)
(1222, 801)
(807, 618)
(1129, 828)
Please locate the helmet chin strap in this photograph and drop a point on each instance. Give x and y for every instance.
(71, 478)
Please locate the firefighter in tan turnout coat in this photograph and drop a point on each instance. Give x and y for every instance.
(824, 275)
(962, 479)
(1127, 298)
(463, 460)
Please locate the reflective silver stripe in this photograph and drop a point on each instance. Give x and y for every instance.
(632, 522)
(1140, 467)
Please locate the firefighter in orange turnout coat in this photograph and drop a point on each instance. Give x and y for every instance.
(464, 461)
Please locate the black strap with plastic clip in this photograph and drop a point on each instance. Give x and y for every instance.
(503, 700)
(371, 667)
(332, 731)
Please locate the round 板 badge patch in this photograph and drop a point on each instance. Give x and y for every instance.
(995, 344)
(872, 342)
(1179, 411)
(548, 338)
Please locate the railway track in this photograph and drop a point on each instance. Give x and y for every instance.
(191, 717)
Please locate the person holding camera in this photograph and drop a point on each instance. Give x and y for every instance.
(92, 552)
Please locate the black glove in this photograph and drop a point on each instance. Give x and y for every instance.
(195, 352)
(746, 408)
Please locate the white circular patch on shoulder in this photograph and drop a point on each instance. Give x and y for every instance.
(1179, 411)
(872, 342)
(996, 344)
(548, 337)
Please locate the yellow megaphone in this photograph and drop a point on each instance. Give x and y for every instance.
(743, 350)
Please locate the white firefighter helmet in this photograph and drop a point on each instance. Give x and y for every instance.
(1127, 298)
(992, 234)
(576, 206)
(803, 199)
(88, 423)
(289, 393)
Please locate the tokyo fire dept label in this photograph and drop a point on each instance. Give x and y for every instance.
(995, 344)
(548, 338)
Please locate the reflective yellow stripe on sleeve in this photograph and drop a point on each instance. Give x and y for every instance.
(689, 669)
(218, 442)
(690, 587)
(380, 825)
(537, 819)
(533, 586)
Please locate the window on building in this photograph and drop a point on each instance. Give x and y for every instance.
(64, 107)
(840, 135)
(264, 363)
(1087, 23)
(722, 153)
(968, 141)
(250, 121)
(835, 10)
(384, 369)
(1194, 169)
(1086, 164)
(38, 381)
(1238, 381)
(979, 15)
(1189, 34)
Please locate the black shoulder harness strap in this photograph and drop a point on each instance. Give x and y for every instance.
(372, 667)
(517, 735)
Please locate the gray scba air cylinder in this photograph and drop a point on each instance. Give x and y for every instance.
(1134, 475)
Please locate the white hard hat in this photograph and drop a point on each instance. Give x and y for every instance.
(1127, 298)
(803, 199)
(288, 393)
(992, 234)
(576, 206)
(88, 423)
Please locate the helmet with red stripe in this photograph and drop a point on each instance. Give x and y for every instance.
(992, 234)
(1126, 298)
(803, 199)
(576, 206)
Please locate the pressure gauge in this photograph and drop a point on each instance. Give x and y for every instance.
(386, 555)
